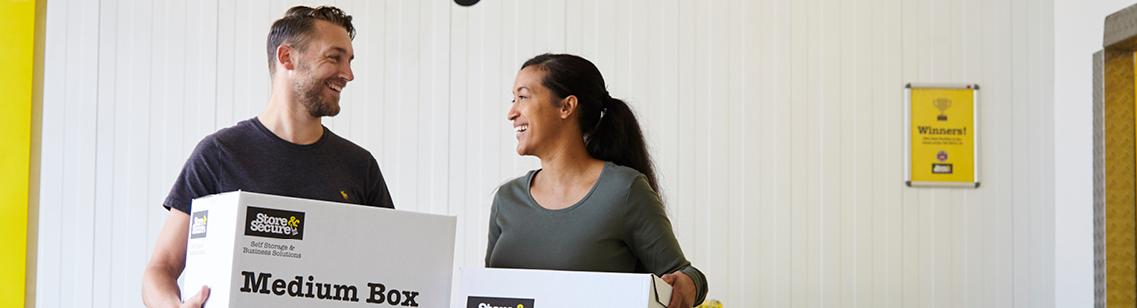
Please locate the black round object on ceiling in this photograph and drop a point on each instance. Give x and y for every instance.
(466, 2)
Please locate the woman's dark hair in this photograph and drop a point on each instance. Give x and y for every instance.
(609, 126)
(295, 29)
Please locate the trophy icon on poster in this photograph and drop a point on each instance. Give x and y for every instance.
(942, 104)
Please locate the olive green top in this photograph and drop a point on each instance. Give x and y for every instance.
(619, 226)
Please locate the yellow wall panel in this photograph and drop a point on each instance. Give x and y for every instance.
(18, 20)
(1121, 225)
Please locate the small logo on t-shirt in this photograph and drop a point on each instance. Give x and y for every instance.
(197, 225)
(344, 195)
(274, 223)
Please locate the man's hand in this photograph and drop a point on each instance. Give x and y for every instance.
(682, 290)
(198, 299)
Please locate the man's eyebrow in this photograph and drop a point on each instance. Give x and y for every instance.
(342, 50)
(522, 87)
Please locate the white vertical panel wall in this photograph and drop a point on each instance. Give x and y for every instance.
(776, 125)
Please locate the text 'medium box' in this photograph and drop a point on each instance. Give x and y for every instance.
(257, 250)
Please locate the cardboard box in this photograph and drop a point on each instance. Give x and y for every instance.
(519, 288)
(256, 250)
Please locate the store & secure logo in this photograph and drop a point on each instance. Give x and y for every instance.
(941, 168)
(498, 302)
(198, 224)
(274, 223)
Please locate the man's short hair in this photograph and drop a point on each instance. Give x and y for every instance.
(296, 27)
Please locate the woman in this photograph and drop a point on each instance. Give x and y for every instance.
(593, 204)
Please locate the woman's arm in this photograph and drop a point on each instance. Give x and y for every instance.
(494, 231)
(653, 241)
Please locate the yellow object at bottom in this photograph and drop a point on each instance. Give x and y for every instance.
(710, 303)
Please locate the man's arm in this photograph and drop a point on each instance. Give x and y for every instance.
(160, 280)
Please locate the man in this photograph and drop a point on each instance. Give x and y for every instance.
(283, 151)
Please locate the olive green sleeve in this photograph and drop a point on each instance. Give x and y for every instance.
(494, 232)
(652, 239)
(700, 283)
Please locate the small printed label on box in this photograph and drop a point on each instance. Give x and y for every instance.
(266, 248)
(198, 224)
(274, 223)
(498, 302)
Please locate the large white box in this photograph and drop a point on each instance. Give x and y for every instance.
(520, 288)
(256, 250)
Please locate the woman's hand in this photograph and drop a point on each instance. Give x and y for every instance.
(682, 290)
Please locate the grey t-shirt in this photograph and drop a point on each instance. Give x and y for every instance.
(250, 157)
(619, 226)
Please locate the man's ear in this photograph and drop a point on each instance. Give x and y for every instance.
(284, 56)
(568, 106)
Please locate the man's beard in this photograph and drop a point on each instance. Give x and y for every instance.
(310, 93)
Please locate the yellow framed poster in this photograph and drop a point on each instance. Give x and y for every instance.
(941, 135)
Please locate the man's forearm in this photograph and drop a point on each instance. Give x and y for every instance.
(160, 288)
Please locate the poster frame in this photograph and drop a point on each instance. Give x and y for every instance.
(974, 183)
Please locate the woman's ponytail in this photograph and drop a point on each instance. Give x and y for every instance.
(618, 138)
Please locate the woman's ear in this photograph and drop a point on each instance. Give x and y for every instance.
(568, 106)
